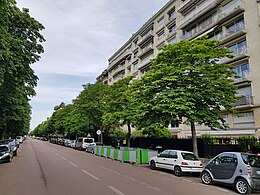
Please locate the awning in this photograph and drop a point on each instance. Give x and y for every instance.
(225, 132)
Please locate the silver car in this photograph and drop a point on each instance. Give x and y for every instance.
(241, 170)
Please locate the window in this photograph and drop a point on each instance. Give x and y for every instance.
(135, 67)
(135, 54)
(226, 159)
(164, 154)
(244, 117)
(235, 26)
(160, 22)
(161, 36)
(172, 28)
(242, 70)
(172, 13)
(239, 47)
(172, 154)
(172, 41)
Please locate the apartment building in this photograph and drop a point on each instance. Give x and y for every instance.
(236, 23)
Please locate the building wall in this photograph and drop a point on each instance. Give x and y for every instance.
(234, 22)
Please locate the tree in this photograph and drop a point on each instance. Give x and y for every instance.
(90, 106)
(187, 85)
(118, 107)
(20, 47)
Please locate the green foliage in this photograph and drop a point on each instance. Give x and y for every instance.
(19, 48)
(118, 134)
(138, 133)
(157, 130)
(208, 138)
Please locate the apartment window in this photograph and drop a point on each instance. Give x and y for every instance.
(160, 22)
(135, 66)
(242, 70)
(172, 41)
(235, 26)
(172, 28)
(135, 54)
(161, 36)
(244, 91)
(172, 13)
(129, 69)
(239, 47)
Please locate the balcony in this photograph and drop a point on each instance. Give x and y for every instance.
(185, 5)
(171, 18)
(118, 70)
(173, 32)
(145, 61)
(243, 77)
(160, 41)
(238, 54)
(145, 37)
(244, 101)
(223, 14)
(145, 50)
(198, 12)
(238, 31)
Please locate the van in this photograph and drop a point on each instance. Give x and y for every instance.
(20, 139)
(83, 142)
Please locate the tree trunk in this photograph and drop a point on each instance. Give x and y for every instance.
(194, 139)
(129, 134)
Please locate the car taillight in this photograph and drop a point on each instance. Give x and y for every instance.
(249, 170)
(201, 165)
(184, 163)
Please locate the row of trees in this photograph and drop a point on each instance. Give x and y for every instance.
(185, 84)
(20, 46)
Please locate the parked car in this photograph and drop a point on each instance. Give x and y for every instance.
(241, 170)
(73, 144)
(83, 142)
(178, 161)
(20, 139)
(6, 154)
(12, 144)
(91, 148)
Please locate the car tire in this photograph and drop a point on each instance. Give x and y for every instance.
(92, 152)
(242, 187)
(10, 159)
(177, 171)
(152, 165)
(206, 178)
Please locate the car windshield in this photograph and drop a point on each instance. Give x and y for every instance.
(252, 160)
(88, 140)
(3, 149)
(188, 156)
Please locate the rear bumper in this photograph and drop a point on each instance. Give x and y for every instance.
(191, 169)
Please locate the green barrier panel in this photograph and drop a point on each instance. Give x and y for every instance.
(126, 156)
(115, 154)
(98, 151)
(102, 151)
(108, 152)
(144, 156)
(138, 156)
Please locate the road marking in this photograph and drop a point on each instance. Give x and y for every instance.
(115, 190)
(63, 158)
(89, 174)
(73, 164)
(215, 187)
(187, 180)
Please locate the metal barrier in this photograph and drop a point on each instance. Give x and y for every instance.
(124, 154)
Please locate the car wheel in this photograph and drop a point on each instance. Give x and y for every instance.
(152, 165)
(10, 159)
(242, 186)
(177, 171)
(206, 178)
(92, 152)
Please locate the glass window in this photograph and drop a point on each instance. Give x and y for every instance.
(188, 156)
(164, 154)
(172, 41)
(226, 159)
(172, 154)
(160, 22)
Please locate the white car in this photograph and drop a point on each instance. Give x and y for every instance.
(178, 161)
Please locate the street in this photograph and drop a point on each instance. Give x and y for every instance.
(42, 168)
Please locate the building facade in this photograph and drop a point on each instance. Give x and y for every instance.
(236, 23)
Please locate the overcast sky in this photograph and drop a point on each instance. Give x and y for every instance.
(80, 37)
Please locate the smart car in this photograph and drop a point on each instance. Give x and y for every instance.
(241, 170)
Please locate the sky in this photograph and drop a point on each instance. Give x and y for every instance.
(81, 35)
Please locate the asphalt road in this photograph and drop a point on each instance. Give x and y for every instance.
(42, 168)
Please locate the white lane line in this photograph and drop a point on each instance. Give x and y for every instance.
(187, 180)
(63, 158)
(115, 190)
(73, 164)
(89, 174)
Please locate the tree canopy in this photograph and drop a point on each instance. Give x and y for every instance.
(20, 47)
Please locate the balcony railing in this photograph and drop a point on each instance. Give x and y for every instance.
(145, 61)
(244, 100)
(242, 77)
(202, 8)
(222, 13)
(146, 36)
(146, 49)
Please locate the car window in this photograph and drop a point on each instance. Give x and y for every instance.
(164, 154)
(188, 156)
(252, 160)
(226, 159)
(88, 141)
(172, 154)
(80, 139)
(3, 149)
